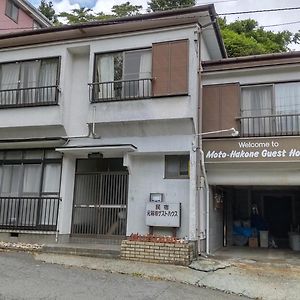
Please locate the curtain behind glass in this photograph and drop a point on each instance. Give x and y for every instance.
(51, 183)
(47, 80)
(145, 73)
(256, 102)
(28, 207)
(10, 187)
(9, 80)
(287, 106)
(29, 73)
(105, 74)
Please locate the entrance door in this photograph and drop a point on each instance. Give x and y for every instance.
(100, 200)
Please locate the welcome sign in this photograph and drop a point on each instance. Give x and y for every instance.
(251, 150)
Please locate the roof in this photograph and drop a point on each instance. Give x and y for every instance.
(34, 13)
(137, 23)
(252, 61)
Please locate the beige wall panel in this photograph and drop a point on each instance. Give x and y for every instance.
(161, 69)
(179, 67)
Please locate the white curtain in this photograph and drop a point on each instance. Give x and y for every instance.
(257, 102)
(287, 103)
(47, 78)
(105, 70)
(51, 184)
(31, 180)
(29, 79)
(51, 179)
(9, 80)
(10, 187)
(145, 73)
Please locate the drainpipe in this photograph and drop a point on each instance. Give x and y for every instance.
(199, 158)
(200, 154)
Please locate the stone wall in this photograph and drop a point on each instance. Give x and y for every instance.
(166, 253)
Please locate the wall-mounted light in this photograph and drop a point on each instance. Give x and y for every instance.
(156, 197)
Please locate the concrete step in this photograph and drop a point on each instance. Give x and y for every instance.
(92, 250)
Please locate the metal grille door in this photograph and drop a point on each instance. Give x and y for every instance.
(100, 204)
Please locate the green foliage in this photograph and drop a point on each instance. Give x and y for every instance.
(245, 37)
(46, 8)
(159, 5)
(80, 15)
(84, 14)
(126, 9)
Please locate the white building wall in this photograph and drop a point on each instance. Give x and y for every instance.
(146, 175)
(171, 122)
(253, 75)
(66, 193)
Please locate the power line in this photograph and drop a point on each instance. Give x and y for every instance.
(280, 24)
(260, 11)
(207, 15)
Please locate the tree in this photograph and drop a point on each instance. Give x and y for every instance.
(158, 5)
(79, 15)
(46, 8)
(126, 9)
(246, 37)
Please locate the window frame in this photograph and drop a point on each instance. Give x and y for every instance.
(43, 161)
(276, 120)
(266, 84)
(93, 98)
(180, 159)
(10, 5)
(19, 89)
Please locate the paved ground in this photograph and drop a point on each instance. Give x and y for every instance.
(23, 277)
(270, 280)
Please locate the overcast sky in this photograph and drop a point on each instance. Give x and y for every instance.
(222, 6)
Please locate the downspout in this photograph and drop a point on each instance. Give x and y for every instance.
(199, 147)
(207, 201)
(199, 159)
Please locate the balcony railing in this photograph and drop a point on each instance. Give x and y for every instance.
(33, 96)
(271, 125)
(120, 90)
(29, 213)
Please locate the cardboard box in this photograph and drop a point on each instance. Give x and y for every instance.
(253, 242)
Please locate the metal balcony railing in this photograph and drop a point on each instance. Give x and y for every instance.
(32, 96)
(120, 90)
(29, 213)
(271, 125)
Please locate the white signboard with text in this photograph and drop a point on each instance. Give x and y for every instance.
(163, 214)
(252, 150)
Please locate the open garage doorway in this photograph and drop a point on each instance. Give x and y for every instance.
(255, 218)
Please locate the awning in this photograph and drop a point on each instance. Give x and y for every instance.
(105, 150)
(23, 143)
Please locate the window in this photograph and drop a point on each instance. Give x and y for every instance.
(21, 173)
(29, 188)
(271, 109)
(36, 25)
(12, 10)
(32, 82)
(176, 166)
(123, 75)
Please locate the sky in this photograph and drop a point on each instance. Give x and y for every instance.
(222, 6)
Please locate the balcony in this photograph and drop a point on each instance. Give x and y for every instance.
(32, 96)
(121, 90)
(270, 125)
(29, 213)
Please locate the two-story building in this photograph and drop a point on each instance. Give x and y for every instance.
(97, 119)
(253, 177)
(20, 15)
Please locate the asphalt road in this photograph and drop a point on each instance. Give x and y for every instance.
(22, 277)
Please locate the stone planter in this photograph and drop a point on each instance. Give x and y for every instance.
(166, 253)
